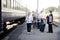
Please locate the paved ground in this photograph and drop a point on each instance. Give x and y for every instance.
(20, 33)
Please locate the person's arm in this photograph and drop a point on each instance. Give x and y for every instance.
(32, 18)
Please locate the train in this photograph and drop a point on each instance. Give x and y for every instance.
(11, 18)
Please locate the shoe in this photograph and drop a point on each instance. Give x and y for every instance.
(41, 31)
(49, 32)
(28, 33)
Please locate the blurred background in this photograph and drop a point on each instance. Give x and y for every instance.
(14, 13)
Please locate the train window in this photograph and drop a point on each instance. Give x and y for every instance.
(4, 2)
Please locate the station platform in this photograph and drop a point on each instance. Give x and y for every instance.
(20, 33)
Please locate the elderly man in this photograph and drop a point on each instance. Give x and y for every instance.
(29, 19)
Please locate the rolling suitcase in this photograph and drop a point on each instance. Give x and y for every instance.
(42, 27)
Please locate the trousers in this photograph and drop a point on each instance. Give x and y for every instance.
(29, 27)
(50, 28)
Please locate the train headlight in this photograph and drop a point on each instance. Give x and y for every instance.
(8, 22)
(9, 27)
(15, 24)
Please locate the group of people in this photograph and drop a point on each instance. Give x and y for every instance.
(37, 21)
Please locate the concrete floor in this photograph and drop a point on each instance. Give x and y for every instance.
(20, 33)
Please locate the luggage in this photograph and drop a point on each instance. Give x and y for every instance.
(42, 27)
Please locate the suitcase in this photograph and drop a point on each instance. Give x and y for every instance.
(42, 27)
